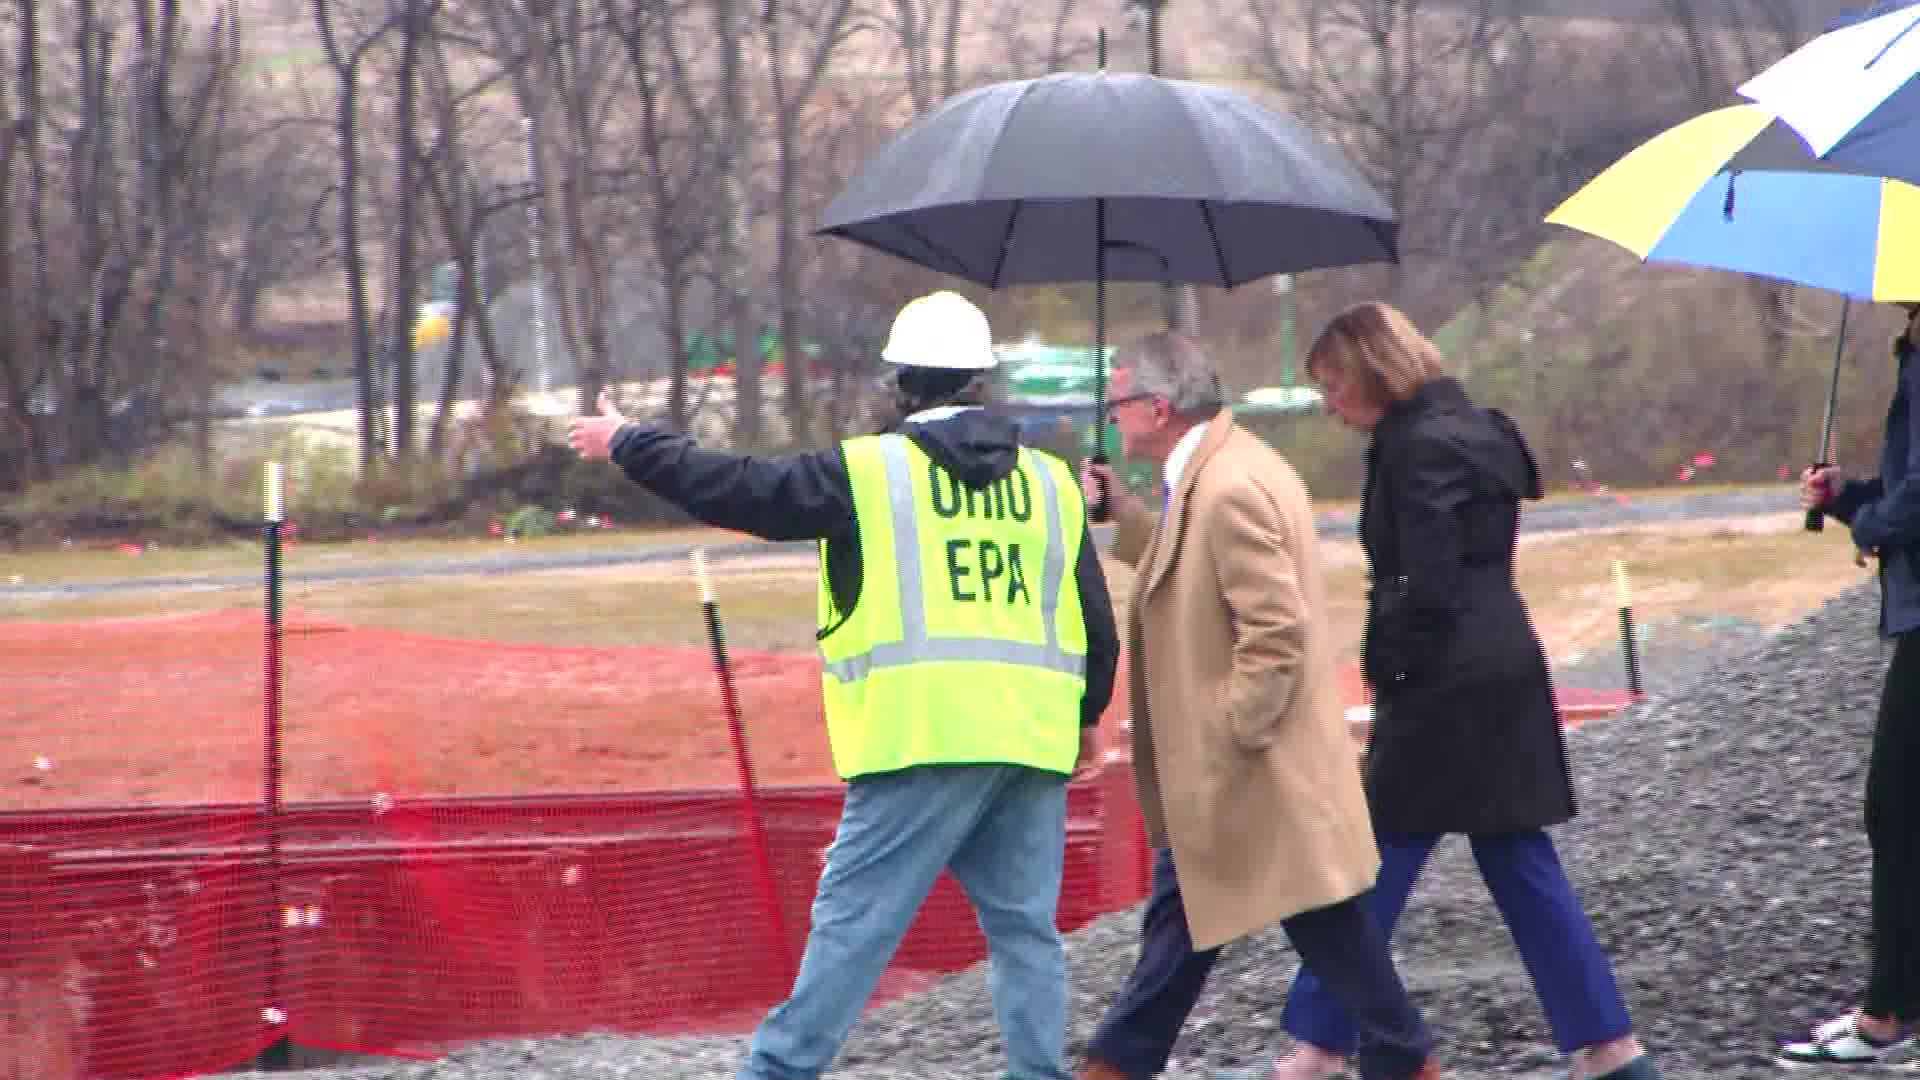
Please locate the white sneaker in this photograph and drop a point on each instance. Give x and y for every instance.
(1841, 1042)
(1305, 1065)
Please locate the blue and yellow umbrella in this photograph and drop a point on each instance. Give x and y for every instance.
(1853, 93)
(1736, 189)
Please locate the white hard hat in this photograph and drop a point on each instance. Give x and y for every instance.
(941, 330)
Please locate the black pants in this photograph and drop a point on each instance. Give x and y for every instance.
(1893, 832)
(1342, 943)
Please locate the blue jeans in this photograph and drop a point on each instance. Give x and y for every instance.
(1570, 972)
(1002, 830)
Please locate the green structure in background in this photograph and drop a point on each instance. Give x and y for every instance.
(1049, 389)
(711, 352)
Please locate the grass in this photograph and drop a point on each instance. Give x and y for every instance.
(1771, 578)
(57, 565)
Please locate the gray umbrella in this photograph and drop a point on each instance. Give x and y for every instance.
(1112, 177)
(1005, 185)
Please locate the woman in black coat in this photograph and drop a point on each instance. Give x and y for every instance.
(1466, 736)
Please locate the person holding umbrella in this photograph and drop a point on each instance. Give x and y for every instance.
(1466, 735)
(969, 649)
(1883, 513)
(1242, 759)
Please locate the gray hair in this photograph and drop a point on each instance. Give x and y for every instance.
(1175, 367)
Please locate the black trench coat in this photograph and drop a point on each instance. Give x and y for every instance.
(1466, 734)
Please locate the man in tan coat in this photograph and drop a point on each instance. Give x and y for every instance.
(1244, 766)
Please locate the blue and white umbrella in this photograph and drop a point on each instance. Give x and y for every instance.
(1853, 93)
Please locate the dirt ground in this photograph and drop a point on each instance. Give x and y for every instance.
(521, 684)
(170, 710)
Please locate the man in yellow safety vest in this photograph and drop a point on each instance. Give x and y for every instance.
(968, 648)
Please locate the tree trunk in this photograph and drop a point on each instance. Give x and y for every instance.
(449, 378)
(791, 352)
(667, 248)
(950, 51)
(406, 271)
(347, 133)
(736, 251)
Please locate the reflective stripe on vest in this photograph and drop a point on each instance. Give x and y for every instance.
(915, 644)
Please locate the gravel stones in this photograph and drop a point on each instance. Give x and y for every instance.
(1674, 654)
(1719, 852)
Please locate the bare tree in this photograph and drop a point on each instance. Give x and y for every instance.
(26, 350)
(115, 127)
(1722, 43)
(345, 56)
(414, 19)
(927, 33)
(1406, 86)
(734, 252)
(569, 85)
(272, 184)
(793, 92)
(675, 134)
(463, 210)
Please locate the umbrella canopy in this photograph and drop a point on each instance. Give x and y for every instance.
(1734, 189)
(1018, 183)
(1853, 93)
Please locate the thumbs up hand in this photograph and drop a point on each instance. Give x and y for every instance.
(592, 436)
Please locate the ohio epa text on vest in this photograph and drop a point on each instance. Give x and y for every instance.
(976, 566)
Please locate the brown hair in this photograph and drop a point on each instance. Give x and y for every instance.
(1377, 344)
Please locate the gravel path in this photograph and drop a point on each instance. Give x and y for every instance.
(1673, 654)
(1718, 852)
(1561, 516)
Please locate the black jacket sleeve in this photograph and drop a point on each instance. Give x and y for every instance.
(1891, 519)
(1103, 637)
(804, 497)
(1853, 495)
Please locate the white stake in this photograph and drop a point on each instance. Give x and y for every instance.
(700, 575)
(276, 499)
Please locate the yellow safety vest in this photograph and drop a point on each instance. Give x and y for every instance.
(967, 643)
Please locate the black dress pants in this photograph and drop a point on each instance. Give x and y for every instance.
(1893, 833)
(1342, 940)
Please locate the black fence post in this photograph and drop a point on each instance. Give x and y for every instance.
(278, 1053)
(1629, 643)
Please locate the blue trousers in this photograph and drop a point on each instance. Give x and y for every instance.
(1002, 830)
(1139, 1030)
(1570, 973)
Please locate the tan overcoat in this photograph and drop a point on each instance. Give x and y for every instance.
(1241, 755)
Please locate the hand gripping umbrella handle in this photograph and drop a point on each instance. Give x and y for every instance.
(1816, 517)
(1097, 509)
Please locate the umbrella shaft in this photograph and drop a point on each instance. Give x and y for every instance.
(1100, 328)
(1826, 454)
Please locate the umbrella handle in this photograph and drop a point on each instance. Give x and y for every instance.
(1816, 519)
(1098, 509)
